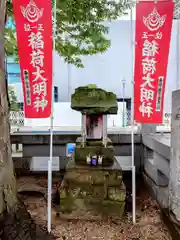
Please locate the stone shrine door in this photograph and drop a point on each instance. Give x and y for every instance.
(94, 127)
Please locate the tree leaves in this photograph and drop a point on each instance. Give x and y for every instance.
(10, 42)
(14, 106)
(79, 27)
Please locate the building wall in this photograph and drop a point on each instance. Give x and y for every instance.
(14, 78)
(13, 70)
(108, 69)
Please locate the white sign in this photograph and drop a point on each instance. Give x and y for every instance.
(41, 164)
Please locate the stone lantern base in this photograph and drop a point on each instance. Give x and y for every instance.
(94, 191)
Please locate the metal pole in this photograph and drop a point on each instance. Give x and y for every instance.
(49, 210)
(123, 83)
(69, 81)
(68, 75)
(132, 125)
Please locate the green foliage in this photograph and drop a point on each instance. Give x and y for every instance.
(10, 42)
(79, 27)
(14, 106)
(92, 86)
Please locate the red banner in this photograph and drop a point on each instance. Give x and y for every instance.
(33, 20)
(153, 33)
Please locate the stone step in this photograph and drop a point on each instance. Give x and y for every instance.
(93, 177)
(81, 208)
(125, 162)
(73, 165)
(98, 175)
(104, 192)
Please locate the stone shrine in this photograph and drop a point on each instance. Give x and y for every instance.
(92, 184)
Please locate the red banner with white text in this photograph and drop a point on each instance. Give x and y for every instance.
(33, 19)
(153, 34)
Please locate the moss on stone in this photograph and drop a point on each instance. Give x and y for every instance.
(74, 190)
(112, 168)
(93, 142)
(98, 190)
(84, 191)
(93, 177)
(93, 101)
(67, 205)
(95, 206)
(81, 153)
(109, 208)
(117, 194)
(63, 193)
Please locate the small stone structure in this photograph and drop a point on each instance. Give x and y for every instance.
(93, 180)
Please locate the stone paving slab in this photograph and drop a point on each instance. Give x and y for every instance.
(162, 138)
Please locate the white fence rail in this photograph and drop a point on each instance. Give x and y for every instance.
(17, 119)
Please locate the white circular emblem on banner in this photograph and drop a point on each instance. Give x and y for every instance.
(32, 13)
(154, 21)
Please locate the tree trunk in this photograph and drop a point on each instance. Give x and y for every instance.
(8, 199)
(15, 221)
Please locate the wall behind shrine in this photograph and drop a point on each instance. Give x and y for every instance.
(108, 69)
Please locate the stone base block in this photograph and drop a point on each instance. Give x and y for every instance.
(101, 192)
(98, 175)
(80, 207)
(98, 190)
(107, 154)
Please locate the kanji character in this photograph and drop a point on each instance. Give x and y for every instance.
(158, 35)
(148, 81)
(146, 94)
(27, 27)
(36, 40)
(37, 58)
(40, 88)
(40, 103)
(150, 48)
(148, 65)
(146, 109)
(38, 74)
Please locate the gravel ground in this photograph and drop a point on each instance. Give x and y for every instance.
(149, 225)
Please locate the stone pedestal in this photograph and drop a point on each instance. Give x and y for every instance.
(97, 191)
(94, 148)
(92, 184)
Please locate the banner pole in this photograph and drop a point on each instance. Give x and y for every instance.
(49, 210)
(132, 125)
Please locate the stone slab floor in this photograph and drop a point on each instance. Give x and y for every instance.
(149, 224)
